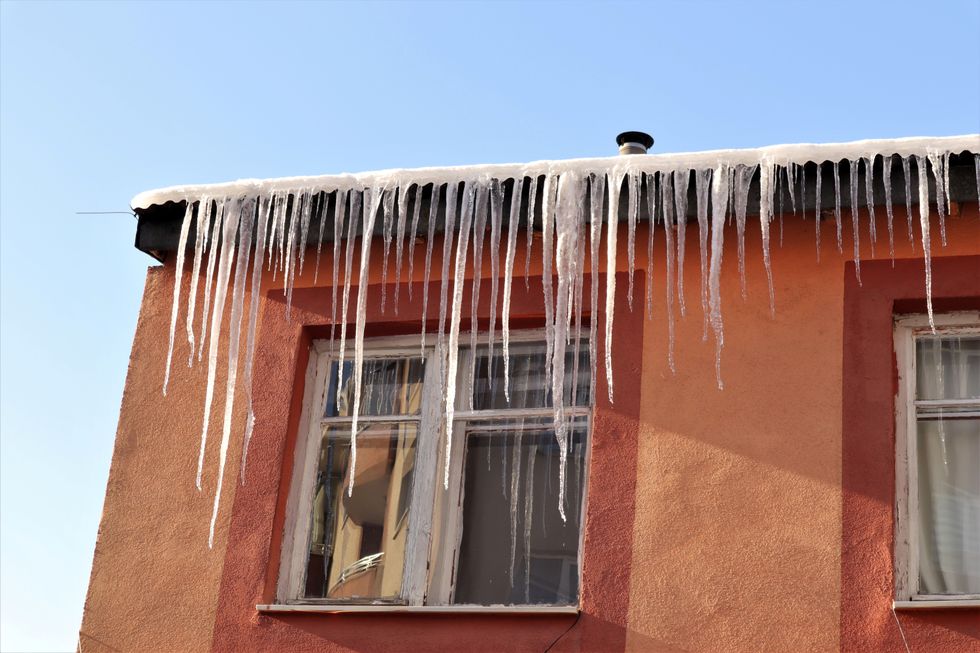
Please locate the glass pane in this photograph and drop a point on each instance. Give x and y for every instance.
(530, 383)
(515, 549)
(949, 503)
(391, 386)
(357, 542)
(947, 367)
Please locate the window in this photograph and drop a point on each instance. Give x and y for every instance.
(494, 537)
(938, 470)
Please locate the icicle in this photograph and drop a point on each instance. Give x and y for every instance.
(370, 215)
(939, 174)
(719, 203)
(779, 195)
(817, 214)
(791, 186)
(246, 226)
(632, 217)
(681, 180)
(338, 231)
(907, 171)
(416, 210)
(255, 299)
(920, 162)
(569, 226)
(304, 225)
(531, 204)
(743, 179)
(976, 172)
(202, 229)
(765, 218)
(528, 515)
(612, 220)
(447, 251)
(214, 247)
(322, 205)
(433, 213)
(667, 196)
(356, 199)
(595, 232)
(479, 234)
(547, 250)
(293, 228)
(853, 183)
(387, 208)
(399, 241)
(702, 182)
(886, 177)
(229, 225)
(496, 217)
(185, 228)
(298, 229)
(869, 194)
(651, 180)
(515, 475)
(459, 278)
(837, 217)
(512, 225)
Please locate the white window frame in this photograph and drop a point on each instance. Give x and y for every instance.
(436, 515)
(907, 329)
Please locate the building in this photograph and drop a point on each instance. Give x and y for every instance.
(780, 453)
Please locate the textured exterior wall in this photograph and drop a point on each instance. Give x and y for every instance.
(736, 540)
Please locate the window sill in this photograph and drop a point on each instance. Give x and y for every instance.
(944, 604)
(421, 609)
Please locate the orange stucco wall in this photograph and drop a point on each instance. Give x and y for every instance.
(736, 540)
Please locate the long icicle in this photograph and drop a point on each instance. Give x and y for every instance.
(597, 191)
(416, 212)
(765, 219)
(920, 162)
(719, 204)
(185, 228)
(666, 201)
(681, 180)
(532, 190)
(246, 225)
(356, 200)
(855, 222)
(702, 183)
(547, 250)
(632, 217)
(869, 195)
(214, 250)
(479, 235)
(886, 178)
(203, 227)
(612, 223)
(429, 244)
(512, 230)
(496, 217)
(652, 192)
(229, 226)
(400, 241)
(907, 172)
(447, 251)
(837, 215)
(939, 175)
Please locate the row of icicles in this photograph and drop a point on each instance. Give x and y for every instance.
(248, 233)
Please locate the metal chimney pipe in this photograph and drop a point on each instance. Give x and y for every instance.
(634, 142)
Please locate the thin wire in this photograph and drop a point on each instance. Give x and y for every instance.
(901, 631)
(567, 630)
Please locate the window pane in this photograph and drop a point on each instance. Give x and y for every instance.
(530, 386)
(515, 549)
(357, 542)
(947, 367)
(949, 503)
(391, 386)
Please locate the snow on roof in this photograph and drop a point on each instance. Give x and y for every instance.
(800, 153)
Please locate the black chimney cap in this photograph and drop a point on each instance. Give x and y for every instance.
(635, 137)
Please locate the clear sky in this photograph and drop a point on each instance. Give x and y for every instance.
(101, 101)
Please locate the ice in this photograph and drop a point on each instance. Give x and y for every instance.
(356, 199)
(547, 249)
(416, 211)
(430, 239)
(512, 229)
(743, 180)
(855, 220)
(612, 219)
(214, 247)
(920, 163)
(304, 225)
(702, 183)
(719, 204)
(323, 201)
(515, 476)
(907, 170)
(681, 180)
(202, 229)
(531, 205)
(466, 218)
(387, 223)
(496, 218)
(597, 190)
(400, 242)
(246, 227)
(447, 250)
(667, 197)
(255, 299)
(791, 185)
(886, 178)
(370, 214)
(228, 221)
(479, 235)
(939, 175)
(870, 200)
(185, 228)
(816, 213)
(651, 235)
(338, 229)
(976, 172)
(532, 455)
(632, 217)
(765, 218)
(837, 217)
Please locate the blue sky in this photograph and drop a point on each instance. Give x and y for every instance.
(101, 101)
